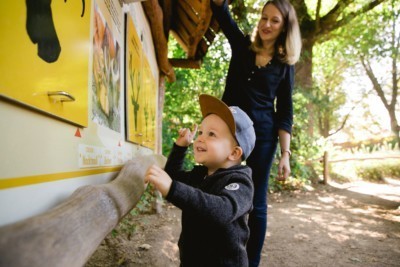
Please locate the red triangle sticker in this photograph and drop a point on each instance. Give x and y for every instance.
(78, 133)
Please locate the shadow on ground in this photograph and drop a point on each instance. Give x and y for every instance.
(355, 224)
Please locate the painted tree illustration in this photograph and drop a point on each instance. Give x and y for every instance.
(153, 116)
(134, 76)
(146, 115)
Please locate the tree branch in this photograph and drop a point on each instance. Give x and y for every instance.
(330, 20)
(377, 87)
(344, 121)
(302, 11)
(317, 16)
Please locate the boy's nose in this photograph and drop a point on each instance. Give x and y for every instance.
(199, 139)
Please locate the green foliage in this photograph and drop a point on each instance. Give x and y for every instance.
(375, 51)
(378, 171)
(306, 150)
(373, 40)
(125, 227)
(328, 93)
(181, 107)
(145, 203)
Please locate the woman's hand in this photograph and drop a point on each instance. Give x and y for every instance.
(218, 2)
(186, 136)
(159, 178)
(283, 167)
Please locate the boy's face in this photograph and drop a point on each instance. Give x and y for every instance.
(214, 143)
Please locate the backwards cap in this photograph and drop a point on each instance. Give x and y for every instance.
(239, 123)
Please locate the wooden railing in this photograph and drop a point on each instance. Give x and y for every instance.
(70, 233)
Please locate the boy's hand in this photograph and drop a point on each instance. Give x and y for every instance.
(186, 136)
(159, 178)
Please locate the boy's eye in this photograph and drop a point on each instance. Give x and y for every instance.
(211, 134)
(200, 133)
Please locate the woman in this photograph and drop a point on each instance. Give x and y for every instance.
(260, 81)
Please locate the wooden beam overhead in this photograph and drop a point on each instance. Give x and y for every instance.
(189, 21)
(185, 63)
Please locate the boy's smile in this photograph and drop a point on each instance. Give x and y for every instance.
(214, 144)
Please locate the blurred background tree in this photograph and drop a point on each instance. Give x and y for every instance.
(376, 51)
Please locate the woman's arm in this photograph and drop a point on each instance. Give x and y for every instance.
(284, 101)
(284, 112)
(284, 164)
(228, 26)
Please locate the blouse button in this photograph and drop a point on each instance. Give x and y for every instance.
(249, 79)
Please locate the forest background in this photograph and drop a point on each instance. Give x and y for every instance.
(346, 87)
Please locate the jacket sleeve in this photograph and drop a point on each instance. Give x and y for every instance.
(220, 209)
(229, 27)
(284, 102)
(174, 165)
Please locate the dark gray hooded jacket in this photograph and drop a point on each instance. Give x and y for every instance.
(214, 212)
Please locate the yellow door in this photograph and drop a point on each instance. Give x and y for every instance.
(44, 56)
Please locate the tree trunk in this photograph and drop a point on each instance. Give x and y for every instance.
(394, 124)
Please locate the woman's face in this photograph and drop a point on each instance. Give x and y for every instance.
(271, 23)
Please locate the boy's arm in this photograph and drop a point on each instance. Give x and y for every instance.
(174, 165)
(233, 201)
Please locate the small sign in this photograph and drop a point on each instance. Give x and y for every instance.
(89, 156)
(107, 157)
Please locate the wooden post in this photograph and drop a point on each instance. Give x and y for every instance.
(69, 234)
(326, 168)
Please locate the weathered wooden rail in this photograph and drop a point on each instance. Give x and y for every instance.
(70, 233)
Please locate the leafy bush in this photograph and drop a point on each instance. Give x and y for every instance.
(146, 201)
(377, 172)
(306, 150)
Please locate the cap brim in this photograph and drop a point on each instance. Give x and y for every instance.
(212, 105)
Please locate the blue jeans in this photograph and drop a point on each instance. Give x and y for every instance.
(260, 161)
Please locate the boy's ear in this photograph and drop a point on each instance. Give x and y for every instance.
(236, 154)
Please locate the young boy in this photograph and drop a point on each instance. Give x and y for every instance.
(216, 196)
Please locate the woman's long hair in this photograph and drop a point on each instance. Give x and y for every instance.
(288, 43)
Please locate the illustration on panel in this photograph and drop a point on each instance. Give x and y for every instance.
(45, 56)
(140, 92)
(106, 91)
(149, 105)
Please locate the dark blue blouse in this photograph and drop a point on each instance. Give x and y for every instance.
(253, 88)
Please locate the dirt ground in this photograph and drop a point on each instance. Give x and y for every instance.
(353, 224)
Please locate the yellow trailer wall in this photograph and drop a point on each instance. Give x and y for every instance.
(45, 157)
